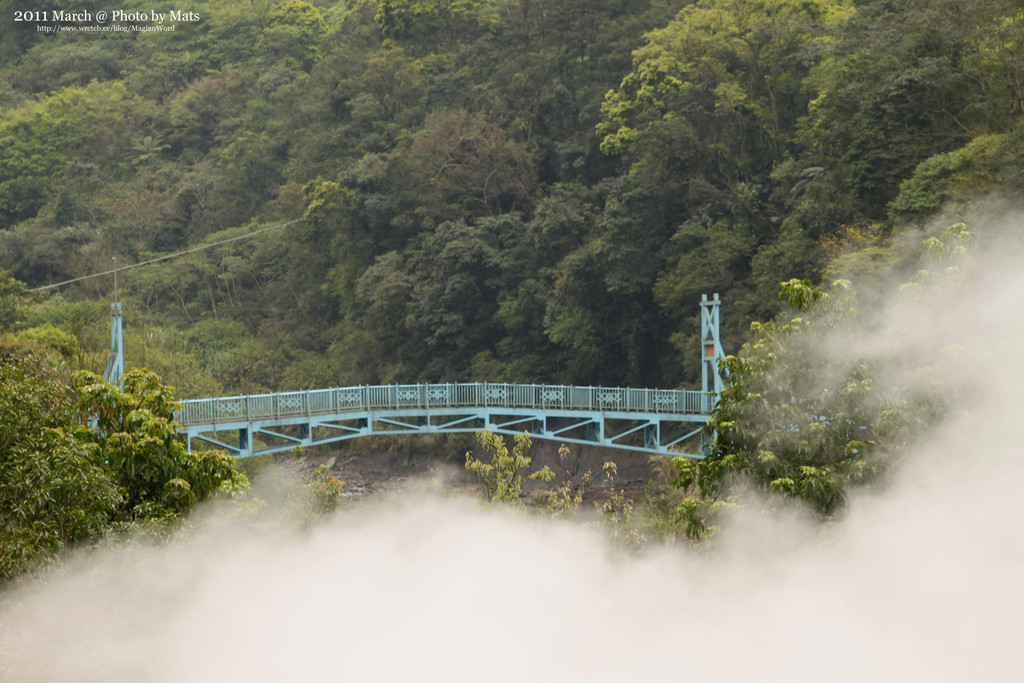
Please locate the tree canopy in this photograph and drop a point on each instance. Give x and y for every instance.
(80, 458)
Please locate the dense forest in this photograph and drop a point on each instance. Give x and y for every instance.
(488, 189)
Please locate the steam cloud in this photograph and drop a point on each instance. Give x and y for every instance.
(922, 582)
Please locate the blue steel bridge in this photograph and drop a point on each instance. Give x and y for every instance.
(648, 420)
(665, 421)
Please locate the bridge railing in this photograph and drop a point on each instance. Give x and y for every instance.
(426, 396)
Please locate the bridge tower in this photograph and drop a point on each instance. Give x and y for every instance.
(115, 366)
(711, 353)
(711, 345)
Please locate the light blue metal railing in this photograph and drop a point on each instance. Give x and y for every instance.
(428, 396)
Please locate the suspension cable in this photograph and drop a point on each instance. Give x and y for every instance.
(117, 269)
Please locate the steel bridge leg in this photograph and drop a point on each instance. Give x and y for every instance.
(651, 438)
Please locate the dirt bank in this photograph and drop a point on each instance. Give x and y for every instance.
(380, 465)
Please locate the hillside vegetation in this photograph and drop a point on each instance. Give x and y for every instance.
(491, 189)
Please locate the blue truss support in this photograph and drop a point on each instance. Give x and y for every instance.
(461, 420)
(271, 423)
(234, 450)
(297, 440)
(585, 422)
(684, 435)
(402, 426)
(511, 424)
(344, 429)
(632, 429)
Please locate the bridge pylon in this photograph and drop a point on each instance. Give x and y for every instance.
(115, 366)
(710, 355)
(711, 344)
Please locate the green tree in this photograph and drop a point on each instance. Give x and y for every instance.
(54, 338)
(13, 299)
(293, 31)
(75, 130)
(706, 115)
(793, 419)
(135, 436)
(433, 25)
(600, 316)
(730, 69)
(797, 420)
(451, 309)
(147, 149)
(502, 478)
(54, 491)
(460, 163)
(906, 81)
(953, 180)
(324, 491)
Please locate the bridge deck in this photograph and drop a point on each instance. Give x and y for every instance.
(648, 420)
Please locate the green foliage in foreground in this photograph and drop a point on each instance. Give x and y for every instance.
(54, 492)
(81, 458)
(502, 478)
(134, 436)
(323, 491)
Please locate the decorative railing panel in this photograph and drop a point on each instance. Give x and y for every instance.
(261, 404)
(426, 396)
